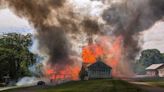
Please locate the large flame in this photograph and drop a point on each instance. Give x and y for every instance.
(68, 73)
(108, 50)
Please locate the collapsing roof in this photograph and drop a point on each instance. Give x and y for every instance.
(87, 65)
(154, 66)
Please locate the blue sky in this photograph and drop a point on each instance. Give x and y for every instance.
(9, 22)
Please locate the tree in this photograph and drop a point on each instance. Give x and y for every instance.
(151, 56)
(15, 57)
(147, 58)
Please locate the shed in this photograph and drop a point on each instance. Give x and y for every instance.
(97, 70)
(155, 70)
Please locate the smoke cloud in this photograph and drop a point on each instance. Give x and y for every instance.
(55, 19)
(50, 34)
(129, 17)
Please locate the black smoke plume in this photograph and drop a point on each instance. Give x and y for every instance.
(130, 17)
(54, 19)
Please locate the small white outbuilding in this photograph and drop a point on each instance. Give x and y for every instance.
(155, 70)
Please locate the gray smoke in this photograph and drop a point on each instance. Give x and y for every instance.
(130, 17)
(54, 19)
(51, 38)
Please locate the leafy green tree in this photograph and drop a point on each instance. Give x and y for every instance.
(151, 56)
(15, 57)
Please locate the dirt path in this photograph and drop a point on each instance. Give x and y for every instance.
(7, 88)
(16, 87)
(148, 87)
(22, 89)
(152, 89)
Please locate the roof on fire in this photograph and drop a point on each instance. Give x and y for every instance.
(87, 65)
(154, 66)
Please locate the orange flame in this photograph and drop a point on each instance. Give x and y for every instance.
(68, 72)
(91, 53)
(109, 51)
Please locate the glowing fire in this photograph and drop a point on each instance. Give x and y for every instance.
(109, 51)
(69, 73)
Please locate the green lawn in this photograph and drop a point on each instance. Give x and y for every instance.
(107, 85)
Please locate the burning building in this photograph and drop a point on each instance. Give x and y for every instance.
(62, 24)
(97, 70)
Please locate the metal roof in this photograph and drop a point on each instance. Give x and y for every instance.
(154, 66)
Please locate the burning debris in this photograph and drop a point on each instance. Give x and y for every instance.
(116, 28)
(108, 49)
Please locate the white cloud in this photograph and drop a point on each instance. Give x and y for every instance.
(154, 37)
(9, 22)
(93, 8)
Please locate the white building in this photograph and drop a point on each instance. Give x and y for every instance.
(97, 70)
(155, 70)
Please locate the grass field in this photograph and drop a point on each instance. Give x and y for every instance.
(107, 85)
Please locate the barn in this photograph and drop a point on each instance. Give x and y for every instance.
(155, 70)
(97, 70)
